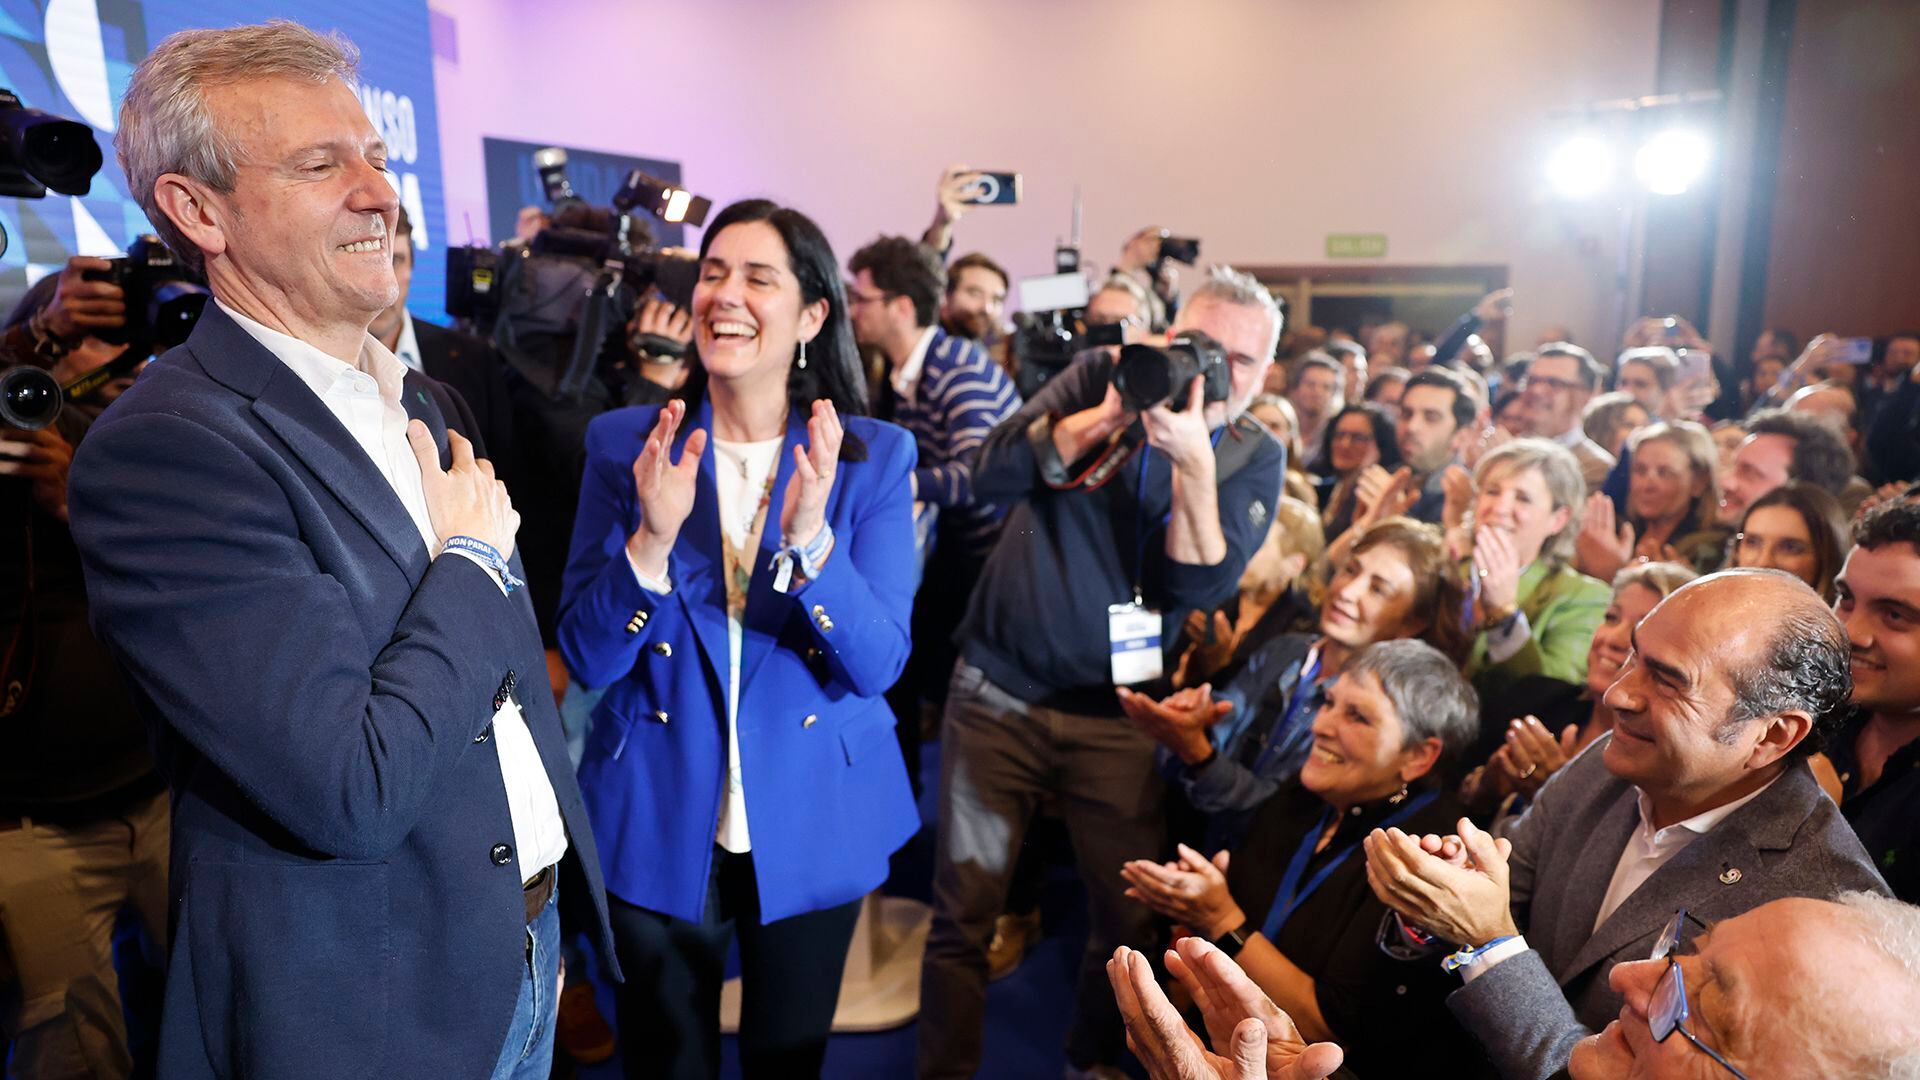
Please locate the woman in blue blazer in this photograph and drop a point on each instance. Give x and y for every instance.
(740, 580)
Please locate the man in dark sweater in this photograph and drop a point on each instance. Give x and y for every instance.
(1086, 584)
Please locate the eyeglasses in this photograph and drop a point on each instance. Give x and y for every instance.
(1668, 1012)
(1353, 436)
(1547, 383)
(855, 299)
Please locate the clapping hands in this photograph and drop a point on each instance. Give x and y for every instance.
(804, 513)
(1260, 1040)
(1532, 753)
(1180, 721)
(1191, 891)
(1455, 887)
(664, 489)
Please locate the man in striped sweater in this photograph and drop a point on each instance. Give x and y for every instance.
(949, 394)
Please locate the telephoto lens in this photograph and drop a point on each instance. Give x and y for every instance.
(29, 398)
(1147, 375)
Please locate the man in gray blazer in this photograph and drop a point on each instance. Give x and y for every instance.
(1700, 799)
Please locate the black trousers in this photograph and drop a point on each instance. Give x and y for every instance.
(669, 1007)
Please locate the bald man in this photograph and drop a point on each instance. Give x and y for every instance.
(1792, 990)
(1700, 798)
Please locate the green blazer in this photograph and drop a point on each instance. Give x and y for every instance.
(1563, 607)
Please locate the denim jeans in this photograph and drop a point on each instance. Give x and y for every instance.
(528, 1052)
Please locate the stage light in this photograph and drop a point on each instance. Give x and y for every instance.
(1672, 161)
(1581, 167)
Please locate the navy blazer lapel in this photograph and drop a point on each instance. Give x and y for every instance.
(290, 408)
(420, 396)
(698, 566)
(416, 398)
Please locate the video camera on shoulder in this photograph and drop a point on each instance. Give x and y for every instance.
(1148, 375)
(553, 305)
(164, 297)
(1051, 328)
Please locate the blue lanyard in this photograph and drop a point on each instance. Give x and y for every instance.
(1303, 688)
(1292, 893)
(1140, 503)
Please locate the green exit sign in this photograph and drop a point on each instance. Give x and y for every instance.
(1356, 245)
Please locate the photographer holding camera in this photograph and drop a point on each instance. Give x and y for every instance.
(83, 813)
(1107, 544)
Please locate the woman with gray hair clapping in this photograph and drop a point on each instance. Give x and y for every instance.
(1292, 904)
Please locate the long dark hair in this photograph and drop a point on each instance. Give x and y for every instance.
(1826, 527)
(1385, 440)
(833, 368)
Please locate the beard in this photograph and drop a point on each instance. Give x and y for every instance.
(969, 324)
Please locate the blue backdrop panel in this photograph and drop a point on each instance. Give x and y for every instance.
(74, 57)
(513, 182)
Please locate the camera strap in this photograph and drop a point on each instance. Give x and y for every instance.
(1237, 449)
(1119, 450)
(1234, 446)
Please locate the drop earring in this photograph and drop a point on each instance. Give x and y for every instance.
(803, 355)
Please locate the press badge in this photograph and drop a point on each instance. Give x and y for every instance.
(1133, 634)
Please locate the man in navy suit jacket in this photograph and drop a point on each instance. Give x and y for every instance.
(308, 579)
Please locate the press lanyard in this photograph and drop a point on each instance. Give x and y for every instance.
(1292, 893)
(1302, 690)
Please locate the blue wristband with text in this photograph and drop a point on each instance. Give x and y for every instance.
(488, 555)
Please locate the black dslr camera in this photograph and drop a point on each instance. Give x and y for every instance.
(1045, 343)
(1147, 375)
(164, 297)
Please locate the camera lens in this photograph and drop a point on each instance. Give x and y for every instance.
(1145, 376)
(29, 398)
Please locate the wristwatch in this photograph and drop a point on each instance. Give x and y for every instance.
(46, 344)
(1234, 940)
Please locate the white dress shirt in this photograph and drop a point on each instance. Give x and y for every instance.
(1649, 849)
(407, 348)
(366, 400)
(906, 377)
(740, 471)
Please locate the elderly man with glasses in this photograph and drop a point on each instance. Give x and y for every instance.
(1793, 989)
(1699, 798)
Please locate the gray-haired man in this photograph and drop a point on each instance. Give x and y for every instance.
(310, 581)
(1077, 598)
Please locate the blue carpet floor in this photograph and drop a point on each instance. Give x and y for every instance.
(1027, 1012)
